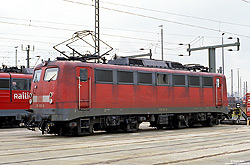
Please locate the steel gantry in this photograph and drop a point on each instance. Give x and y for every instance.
(211, 53)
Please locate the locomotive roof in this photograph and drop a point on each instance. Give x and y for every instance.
(14, 75)
(17, 70)
(70, 64)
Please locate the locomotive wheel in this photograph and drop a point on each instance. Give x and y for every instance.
(112, 129)
(191, 123)
(132, 127)
(209, 122)
(159, 126)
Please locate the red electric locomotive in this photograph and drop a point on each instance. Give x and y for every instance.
(14, 94)
(76, 98)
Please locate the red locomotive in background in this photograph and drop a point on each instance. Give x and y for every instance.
(76, 98)
(14, 94)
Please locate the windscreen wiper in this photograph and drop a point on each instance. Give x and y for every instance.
(52, 77)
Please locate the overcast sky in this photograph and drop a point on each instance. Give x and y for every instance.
(128, 26)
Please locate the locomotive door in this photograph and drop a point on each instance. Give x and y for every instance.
(218, 91)
(84, 86)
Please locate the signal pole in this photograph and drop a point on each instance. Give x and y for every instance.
(27, 49)
(232, 83)
(246, 86)
(16, 55)
(238, 74)
(161, 26)
(222, 55)
(97, 29)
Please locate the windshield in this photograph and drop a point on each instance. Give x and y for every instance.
(37, 75)
(51, 74)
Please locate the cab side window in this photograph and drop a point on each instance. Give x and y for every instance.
(19, 84)
(4, 83)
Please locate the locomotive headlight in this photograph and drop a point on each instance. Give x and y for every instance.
(30, 101)
(50, 101)
(50, 94)
(31, 95)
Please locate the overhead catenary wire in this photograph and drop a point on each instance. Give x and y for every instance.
(161, 19)
(66, 24)
(246, 1)
(128, 42)
(135, 7)
(184, 46)
(178, 48)
(28, 23)
(177, 14)
(111, 35)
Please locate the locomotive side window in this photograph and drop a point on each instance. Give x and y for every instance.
(217, 82)
(207, 81)
(20, 84)
(162, 79)
(37, 75)
(105, 76)
(194, 81)
(144, 78)
(125, 77)
(51, 74)
(83, 75)
(4, 83)
(179, 80)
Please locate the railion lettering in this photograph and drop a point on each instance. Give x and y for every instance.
(24, 95)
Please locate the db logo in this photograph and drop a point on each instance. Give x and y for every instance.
(39, 99)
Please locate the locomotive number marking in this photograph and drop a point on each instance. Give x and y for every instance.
(105, 110)
(40, 105)
(41, 99)
(163, 109)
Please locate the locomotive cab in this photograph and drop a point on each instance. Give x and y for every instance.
(54, 89)
(44, 92)
(59, 94)
(41, 97)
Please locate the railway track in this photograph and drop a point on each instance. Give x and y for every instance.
(152, 146)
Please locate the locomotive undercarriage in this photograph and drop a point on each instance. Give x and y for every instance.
(87, 125)
(9, 121)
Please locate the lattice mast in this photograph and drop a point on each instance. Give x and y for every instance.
(97, 30)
